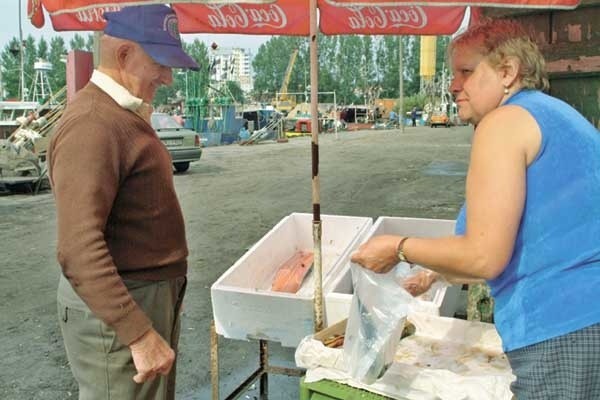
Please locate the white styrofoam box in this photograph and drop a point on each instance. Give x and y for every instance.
(244, 307)
(439, 300)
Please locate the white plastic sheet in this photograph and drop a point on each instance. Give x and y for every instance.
(447, 359)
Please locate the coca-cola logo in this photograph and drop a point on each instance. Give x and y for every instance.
(246, 16)
(93, 15)
(382, 17)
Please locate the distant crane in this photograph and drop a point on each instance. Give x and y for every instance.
(283, 102)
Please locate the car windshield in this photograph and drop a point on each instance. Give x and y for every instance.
(164, 121)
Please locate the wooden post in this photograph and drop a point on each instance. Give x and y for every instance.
(314, 115)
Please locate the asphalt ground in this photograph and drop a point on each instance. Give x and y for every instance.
(230, 198)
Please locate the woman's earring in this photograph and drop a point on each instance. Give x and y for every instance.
(506, 90)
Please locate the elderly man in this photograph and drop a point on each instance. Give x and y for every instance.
(121, 237)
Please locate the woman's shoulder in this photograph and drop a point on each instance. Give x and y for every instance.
(506, 118)
(510, 127)
(532, 100)
(551, 113)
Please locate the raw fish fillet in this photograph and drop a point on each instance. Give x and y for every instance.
(290, 275)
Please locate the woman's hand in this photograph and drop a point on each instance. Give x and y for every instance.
(379, 254)
(420, 282)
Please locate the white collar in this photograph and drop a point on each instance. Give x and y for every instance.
(118, 93)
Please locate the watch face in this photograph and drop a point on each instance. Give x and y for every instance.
(401, 255)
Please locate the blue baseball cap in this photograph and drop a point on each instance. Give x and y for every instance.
(155, 28)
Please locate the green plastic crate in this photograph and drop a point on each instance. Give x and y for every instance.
(330, 390)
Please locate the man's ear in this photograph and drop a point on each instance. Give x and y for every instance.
(510, 68)
(123, 54)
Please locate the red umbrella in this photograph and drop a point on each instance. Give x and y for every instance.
(292, 17)
(286, 17)
(281, 17)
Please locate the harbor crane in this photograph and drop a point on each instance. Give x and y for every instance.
(283, 102)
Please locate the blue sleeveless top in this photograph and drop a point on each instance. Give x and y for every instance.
(551, 284)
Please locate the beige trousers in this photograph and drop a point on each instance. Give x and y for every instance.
(101, 364)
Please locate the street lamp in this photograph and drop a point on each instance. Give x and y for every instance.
(22, 61)
(401, 115)
(186, 81)
(186, 84)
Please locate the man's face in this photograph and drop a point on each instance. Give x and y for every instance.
(142, 75)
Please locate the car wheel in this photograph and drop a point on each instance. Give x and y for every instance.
(181, 166)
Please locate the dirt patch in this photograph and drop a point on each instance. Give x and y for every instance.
(230, 199)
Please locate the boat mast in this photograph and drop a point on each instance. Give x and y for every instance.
(21, 48)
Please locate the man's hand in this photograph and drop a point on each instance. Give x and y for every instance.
(378, 254)
(151, 356)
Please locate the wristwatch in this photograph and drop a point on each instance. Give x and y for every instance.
(400, 251)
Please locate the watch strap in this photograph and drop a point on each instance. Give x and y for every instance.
(400, 250)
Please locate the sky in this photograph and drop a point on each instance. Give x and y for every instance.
(9, 28)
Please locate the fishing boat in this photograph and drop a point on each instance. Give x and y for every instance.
(12, 114)
(27, 127)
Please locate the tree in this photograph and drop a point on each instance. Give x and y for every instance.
(416, 100)
(77, 42)
(380, 66)
(353, 66)
(164, 95)
(300, 75)
(441, 59)
(190, 84)
(412, 65)
(234, 89)
(89, 42)
(270, 65)
(351, 72)
(56, 57)
(370, 82)
(10, 67)
(42, 49)
(197, 81)
(30, 59)
(328, 66)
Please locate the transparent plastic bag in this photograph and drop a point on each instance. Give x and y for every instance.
(422, 283)
(377, 317)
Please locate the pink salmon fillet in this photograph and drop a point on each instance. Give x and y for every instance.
(291, 273)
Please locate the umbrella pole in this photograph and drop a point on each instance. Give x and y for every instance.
(314, 117)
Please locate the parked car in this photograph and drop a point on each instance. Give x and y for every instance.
(439, 118)
(183, 144)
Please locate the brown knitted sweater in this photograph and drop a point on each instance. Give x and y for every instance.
(117, 211)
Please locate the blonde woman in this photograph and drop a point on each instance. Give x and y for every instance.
(530, 225)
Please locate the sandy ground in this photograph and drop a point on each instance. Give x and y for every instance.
(230, 199)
